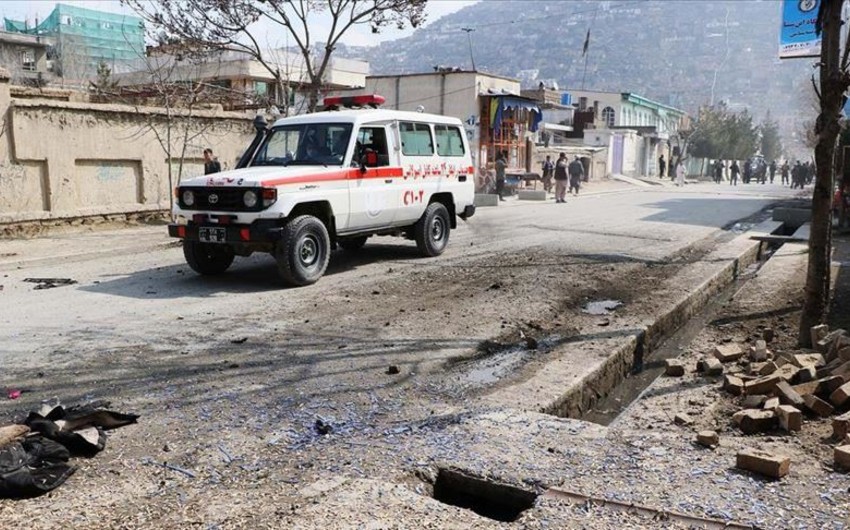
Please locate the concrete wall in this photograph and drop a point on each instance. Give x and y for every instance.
(64, 159)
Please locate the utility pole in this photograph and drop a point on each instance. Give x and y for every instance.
(468, 32)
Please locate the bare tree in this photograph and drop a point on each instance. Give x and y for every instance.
(834, 80)
(228, 25)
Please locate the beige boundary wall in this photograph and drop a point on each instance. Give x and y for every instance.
(61, 160)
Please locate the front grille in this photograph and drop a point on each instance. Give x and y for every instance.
(219, 199)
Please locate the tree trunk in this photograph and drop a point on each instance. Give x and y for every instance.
(832, 87)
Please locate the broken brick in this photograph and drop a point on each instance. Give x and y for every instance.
(809, 359)
(759, 351)
(708, 438)
(818, 406)
(841, 426)
(790, 419)
(788, 395)
(841, 395)
(786, 372)
(762, 385)
(683, 419)
(710, 367)
(841, 456)
(768, 368)
(763, 463)
(734, 385)
(753, 401)
(819, 333)
(806, 374)
(674, 368)
(752, 421)
(728, 352)
(771, 403)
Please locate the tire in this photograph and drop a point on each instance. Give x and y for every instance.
(353, 244)
(431, 231)
(207, 258)
(303, 251)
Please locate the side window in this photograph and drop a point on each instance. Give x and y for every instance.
(416, 139)
(372, 140)
(449, 140)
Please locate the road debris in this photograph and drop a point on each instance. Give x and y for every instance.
(763, 463)
(49, 283)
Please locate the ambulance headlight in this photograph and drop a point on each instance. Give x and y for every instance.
(250, 198)
(188, 197)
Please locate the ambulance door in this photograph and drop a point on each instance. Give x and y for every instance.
(372, 186)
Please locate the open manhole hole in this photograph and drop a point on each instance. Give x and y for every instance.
(493, 500)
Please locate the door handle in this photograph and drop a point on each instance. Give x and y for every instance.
(388, 181)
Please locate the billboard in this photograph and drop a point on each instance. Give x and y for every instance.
(797, 37)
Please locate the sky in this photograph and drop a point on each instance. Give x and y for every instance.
(32, 9)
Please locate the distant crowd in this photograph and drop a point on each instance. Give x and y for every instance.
(755, 169)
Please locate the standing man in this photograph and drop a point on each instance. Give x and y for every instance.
(211, 163)
(662, 166)
(680, 174)
(561, 178)
(501, 166)
(718, 171)
(576, 171)
(548, 171)
(772, 170)
(734, 171)
(784, 171)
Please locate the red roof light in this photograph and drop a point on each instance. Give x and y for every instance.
(368, 100)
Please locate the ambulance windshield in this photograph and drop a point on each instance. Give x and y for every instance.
(305, 145)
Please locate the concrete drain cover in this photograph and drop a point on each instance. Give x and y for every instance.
(499, 502)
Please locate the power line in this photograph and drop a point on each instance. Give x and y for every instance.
(468, 32)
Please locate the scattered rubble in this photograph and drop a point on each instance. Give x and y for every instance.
(708, 438)
(674, 368)
(763, 463)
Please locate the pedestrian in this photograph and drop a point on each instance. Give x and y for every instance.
(797, 175)
(772, 170)
(211, 163)
(785, 172)
(561, 178)
(662, 166)
(718, 171)
(734, 171)
(680, 174)
(748, 171)
(501, 166)
(548, 172)
(576, 172)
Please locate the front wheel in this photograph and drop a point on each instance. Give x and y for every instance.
(207, 258)
(303, 251)
(431, 231)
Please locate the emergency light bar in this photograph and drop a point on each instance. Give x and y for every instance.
(369, 100)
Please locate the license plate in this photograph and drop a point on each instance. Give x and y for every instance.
(212, 235)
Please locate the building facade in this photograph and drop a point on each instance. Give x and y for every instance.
(25, 57)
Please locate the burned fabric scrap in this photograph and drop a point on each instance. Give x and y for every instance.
(34, 456)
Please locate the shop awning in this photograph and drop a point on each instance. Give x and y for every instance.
(499, 104)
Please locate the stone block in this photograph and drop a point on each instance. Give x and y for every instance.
(674, 368)
(771, 404)
(752, 421)
(753, 401)
(683, 419)
(841, 456)
(819, 333)
(768, 368)
(710, 366)
(734, 385)
(790, 418)
(728, 352)
(788, 395)
(842, 370)
(486, 199)
(759, 351)
(786, 372)
(841, 426)
(531, 195)
(763, 463)
(762, 385)
(804, 375)
(818, 406)
(841, 396)
(809, 359)
(708, 438)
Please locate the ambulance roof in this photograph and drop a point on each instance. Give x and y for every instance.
(357, 116)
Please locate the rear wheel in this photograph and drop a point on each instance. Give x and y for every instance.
(207, 258)
(431, 231)
(303, 251)
(353, 244)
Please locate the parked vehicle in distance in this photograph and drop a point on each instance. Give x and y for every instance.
(335, 178)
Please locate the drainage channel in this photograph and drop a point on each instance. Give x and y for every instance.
(648, 366)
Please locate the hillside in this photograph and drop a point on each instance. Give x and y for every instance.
(683, 53)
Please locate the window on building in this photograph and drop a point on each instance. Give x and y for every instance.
(608, 116)
(28, 60)
(66, 19)
(449, 140)
(261, 88)
(416, 139)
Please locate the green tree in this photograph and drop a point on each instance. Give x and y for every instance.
(721, 133)
(771, 143)
(103, 83)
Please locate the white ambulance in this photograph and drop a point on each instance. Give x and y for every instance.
(313, 182)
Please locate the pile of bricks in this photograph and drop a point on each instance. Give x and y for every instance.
(779, 390)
